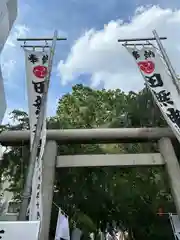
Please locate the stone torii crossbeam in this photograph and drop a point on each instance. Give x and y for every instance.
(166, 156)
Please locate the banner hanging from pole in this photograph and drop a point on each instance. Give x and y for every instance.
(62, 227)
(36, 72)
(159, 83)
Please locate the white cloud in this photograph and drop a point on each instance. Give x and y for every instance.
(98, 53)
(8, 67)
(8, 115)
(7, 118)
(20, 31)
(10, 54)
(11, 61)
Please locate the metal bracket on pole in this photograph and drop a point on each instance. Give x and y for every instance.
(141, 41)
(36, 46)
(45, 39)
(40, 39)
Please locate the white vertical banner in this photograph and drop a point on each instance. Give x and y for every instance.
(160, 84)
(36, 73)
(62, 227)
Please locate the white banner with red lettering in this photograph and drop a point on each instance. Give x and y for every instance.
(160, 84)
(36, 71)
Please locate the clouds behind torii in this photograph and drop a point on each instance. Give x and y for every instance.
(93, 58)
(98, 54)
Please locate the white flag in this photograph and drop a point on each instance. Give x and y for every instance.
(160, 84)
(36, 72)
(91, 235)
(101, 236)
(62, 227)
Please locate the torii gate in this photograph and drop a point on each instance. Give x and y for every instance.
(166, 156)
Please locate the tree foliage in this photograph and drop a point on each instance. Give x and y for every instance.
(94, 196)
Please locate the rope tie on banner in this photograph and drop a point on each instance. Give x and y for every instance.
(124, 44)
(45, 46)
(59, 208)
(46, 43)
(63, 213)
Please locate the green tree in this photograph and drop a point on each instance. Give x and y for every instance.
(15, 161)
(91, 195)
(88, 108)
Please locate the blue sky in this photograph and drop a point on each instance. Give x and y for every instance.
(72, 19)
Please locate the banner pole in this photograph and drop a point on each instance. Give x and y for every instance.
(167, 61)
(30, 172)
(172, 226)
